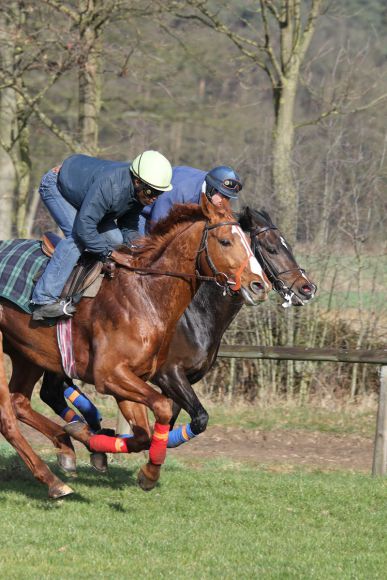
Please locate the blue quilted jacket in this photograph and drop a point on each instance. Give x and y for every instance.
(99, 189)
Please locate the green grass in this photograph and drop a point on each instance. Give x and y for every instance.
(283, 416)
(222, 521)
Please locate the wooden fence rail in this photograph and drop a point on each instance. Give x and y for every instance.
(379, 357)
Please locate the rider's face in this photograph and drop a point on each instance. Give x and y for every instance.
(218, 199)
(145, 194)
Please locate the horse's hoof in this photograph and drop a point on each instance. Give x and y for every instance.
(67, 464)
(59, 490)
(99, 461)
(145, 482)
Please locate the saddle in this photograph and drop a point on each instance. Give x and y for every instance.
(86, 278)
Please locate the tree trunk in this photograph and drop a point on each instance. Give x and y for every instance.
(89, 76)
(282, 172)
(7, 130)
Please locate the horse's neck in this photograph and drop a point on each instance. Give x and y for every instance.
(166, 296)
(211, 312)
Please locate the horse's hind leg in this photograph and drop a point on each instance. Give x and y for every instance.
(23, 379)
(9, 428)
(52, 393)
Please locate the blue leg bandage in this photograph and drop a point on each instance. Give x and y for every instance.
(69, 415)
(176, 437)
(85, 406)
(180, 435)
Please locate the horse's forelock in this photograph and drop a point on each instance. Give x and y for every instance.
(248, 214)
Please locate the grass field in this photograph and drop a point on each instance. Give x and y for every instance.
(222, 520)
(206, 519)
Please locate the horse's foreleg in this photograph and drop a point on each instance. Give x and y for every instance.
(173, 381)
(137, 417)
(124, 385)
(9, 428)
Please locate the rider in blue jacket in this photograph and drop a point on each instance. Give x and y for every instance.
(97, 204)
(188, 184)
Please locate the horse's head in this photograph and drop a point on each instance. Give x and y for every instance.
(225, 253)
(275, 256)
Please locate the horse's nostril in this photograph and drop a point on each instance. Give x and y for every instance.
(308, 289)
(257, 287)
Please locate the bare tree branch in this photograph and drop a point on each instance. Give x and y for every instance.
(63, 8)
(337, 111)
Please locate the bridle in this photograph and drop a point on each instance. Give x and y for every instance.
(220, 278)
(273, 275)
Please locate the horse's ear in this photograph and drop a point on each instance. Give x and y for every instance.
(245, 218)
(206, 205)
(211, 211)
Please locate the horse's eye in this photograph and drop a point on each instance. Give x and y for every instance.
(272, 250)
(225, 242)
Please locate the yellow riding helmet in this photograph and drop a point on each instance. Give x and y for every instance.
(154, 169)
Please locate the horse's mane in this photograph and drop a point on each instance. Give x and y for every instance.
(148, 248)
(244, 217)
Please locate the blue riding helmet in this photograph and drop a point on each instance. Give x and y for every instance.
(224, 180)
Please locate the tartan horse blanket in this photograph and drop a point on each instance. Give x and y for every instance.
(21, 264)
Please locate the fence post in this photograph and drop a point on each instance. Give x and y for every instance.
(379, 465)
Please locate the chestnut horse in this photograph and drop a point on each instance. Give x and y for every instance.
(198, 333)
(122, 336)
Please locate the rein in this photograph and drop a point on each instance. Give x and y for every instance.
(220, 278)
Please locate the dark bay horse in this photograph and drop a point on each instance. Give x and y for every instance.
(194, 346)
(122, 336)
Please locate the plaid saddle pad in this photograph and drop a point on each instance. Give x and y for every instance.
(21, 264)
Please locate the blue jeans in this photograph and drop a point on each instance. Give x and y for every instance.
(66, 255)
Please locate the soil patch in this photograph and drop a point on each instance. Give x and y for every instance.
(281, 448)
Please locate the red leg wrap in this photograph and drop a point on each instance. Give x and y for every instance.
(106, 444)
(158, 446)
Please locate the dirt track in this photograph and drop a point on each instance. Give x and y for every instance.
(283, 448)
(277, 449)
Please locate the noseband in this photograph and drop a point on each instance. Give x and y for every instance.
(268, 268)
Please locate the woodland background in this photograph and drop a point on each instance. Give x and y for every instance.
(292, 93)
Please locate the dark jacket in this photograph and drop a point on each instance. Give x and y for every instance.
(99, 190)
(187, 185)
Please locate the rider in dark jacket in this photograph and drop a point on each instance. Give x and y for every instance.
(97, 204)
